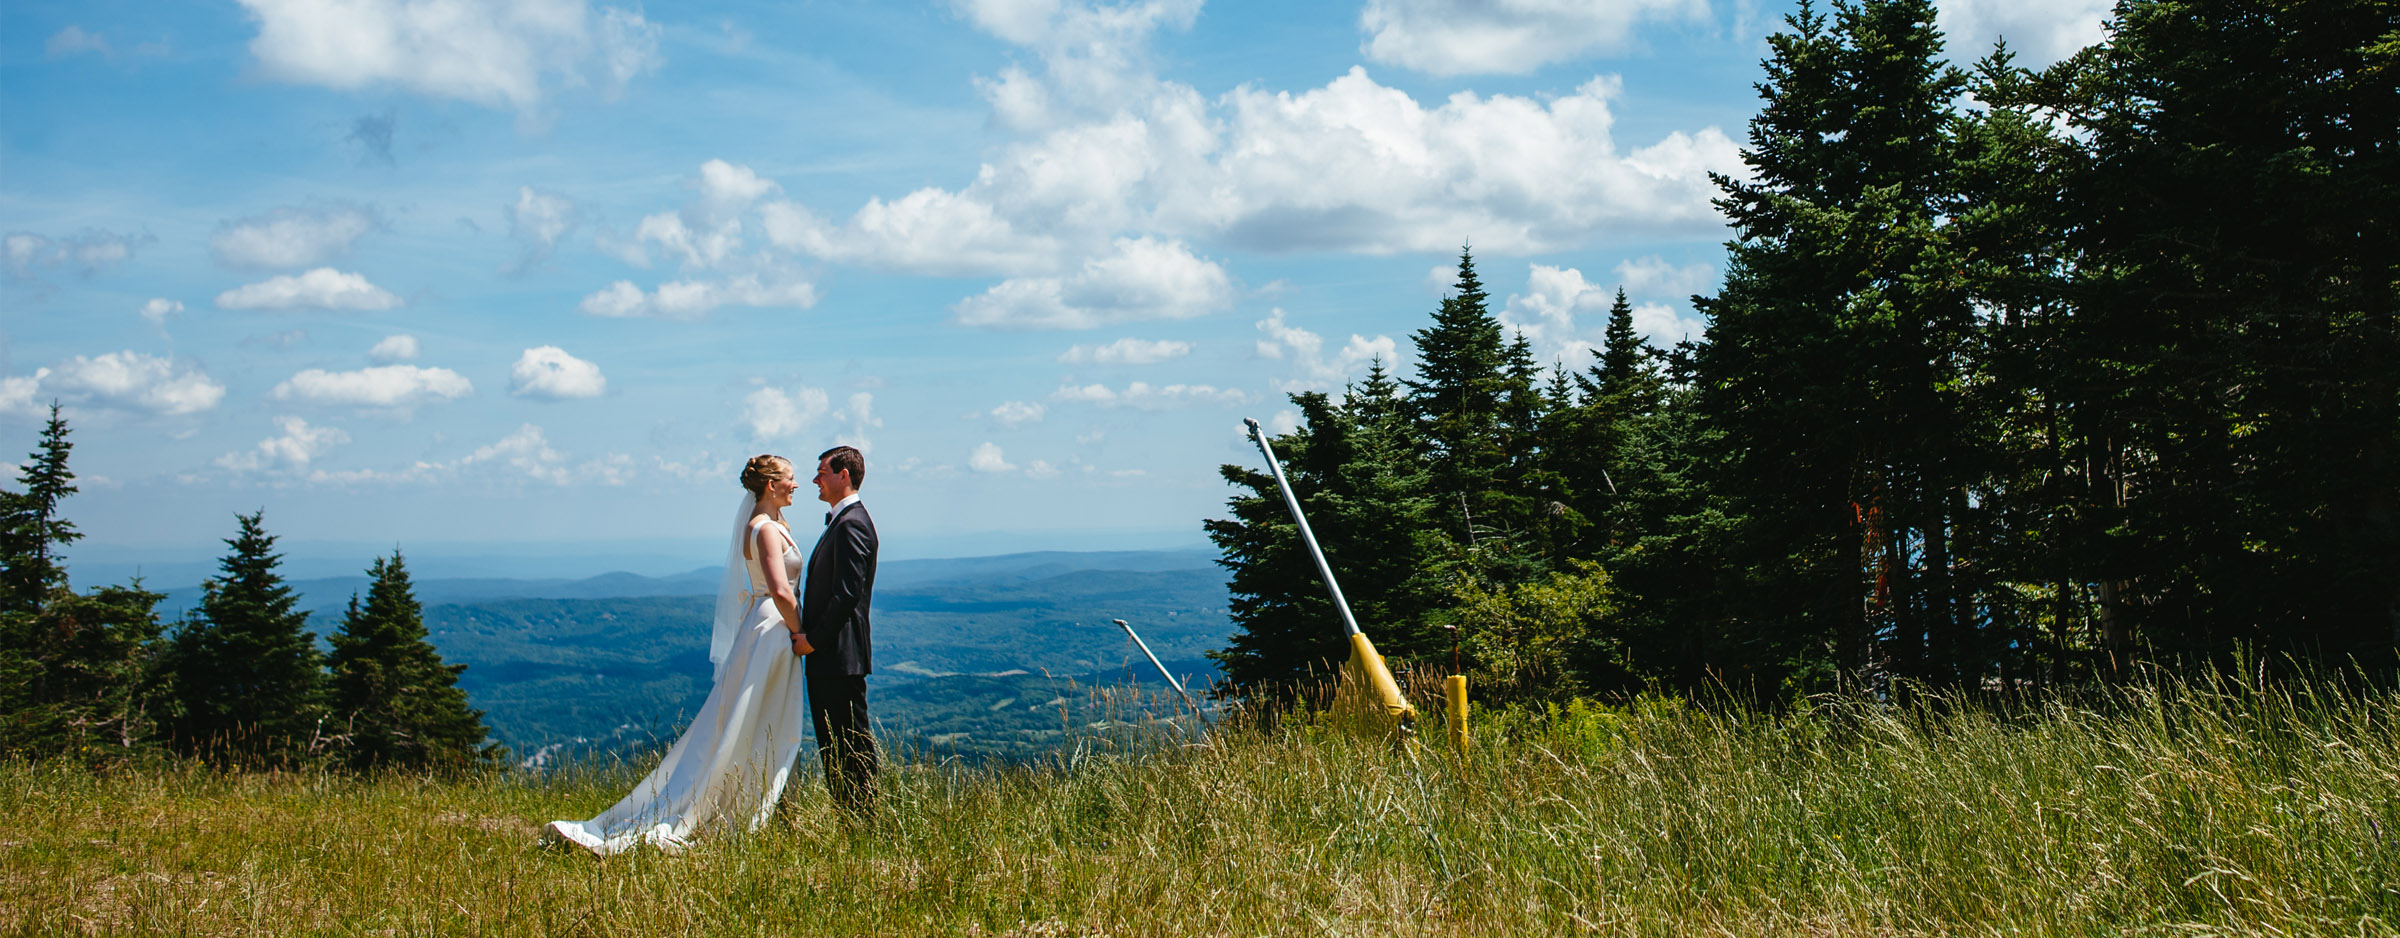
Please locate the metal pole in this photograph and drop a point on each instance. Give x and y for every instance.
(1259, 436)
(1162, 670)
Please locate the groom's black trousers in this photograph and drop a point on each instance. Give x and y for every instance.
(838, 704)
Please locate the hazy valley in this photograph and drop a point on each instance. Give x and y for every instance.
(982, 656)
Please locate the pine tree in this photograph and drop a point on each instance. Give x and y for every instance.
(1359, 472)
(1530, 495)
(1622, 362)
(1672, 563)
(248, 680)
(393, 701)
(2236, 320)
(1461, 378)
(1479, 414)
(1833, 353)
(75, 675)
(2046, 498)
(31, 528)
(1622, 388)
(1383, 504)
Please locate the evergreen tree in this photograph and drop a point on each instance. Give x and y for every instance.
(1767, 372)
(31, 528)
(2046, 497)
(1672, 564)
(2239, 253)
(1623, 368)
(1982, 392)
(1359, 472)
(1531, 493)
(248, 680)
(1479, 414)
(75, 675)
(394, 702)
(1834, 351)
(1621, 389)
(1462, 379)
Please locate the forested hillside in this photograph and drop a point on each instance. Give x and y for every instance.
(980, 661)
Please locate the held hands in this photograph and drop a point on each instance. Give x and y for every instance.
(800, 645)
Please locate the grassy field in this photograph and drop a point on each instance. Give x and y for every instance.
(2183, 811)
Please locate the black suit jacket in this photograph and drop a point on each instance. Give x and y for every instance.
(833, 604)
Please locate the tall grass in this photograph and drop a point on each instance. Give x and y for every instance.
(2178, 809)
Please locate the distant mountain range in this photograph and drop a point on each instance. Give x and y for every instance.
(1004, 656)
(326, 596)
(176, 566)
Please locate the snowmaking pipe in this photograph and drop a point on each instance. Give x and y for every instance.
(1162, 670)
(1366, 680)
(1258, 435)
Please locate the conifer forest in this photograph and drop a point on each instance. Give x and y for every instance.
(2015, 379)
(239, 683)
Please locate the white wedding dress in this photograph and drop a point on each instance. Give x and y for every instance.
(732, 762)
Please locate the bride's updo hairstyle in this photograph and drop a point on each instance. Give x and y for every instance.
(762, 469)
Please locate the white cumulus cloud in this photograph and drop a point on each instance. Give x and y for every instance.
(1457, 37)
(394, 348)
(322, 288)
(706, 233)
(126, 381)
(929, 231)
(1359, 166)
(1316, 370)
(1106, 152)
(1565, 316)
(537, 220)
(1653, 277)
(493, 52)
(1016, 413)
(1144, 396)
(160, 309)
(1140, 279)
(2040, 32)
(548, 372)
(859, 413)
(687, 299)
(1353, 165)
(289, 451)
(387, 386)
(292, 236)
(1126, 352)
(778, 413)
(21, 394)
(988, 458)
(728, 189)
(1094, 55)
(619, 299)
(527, 452)
(524, 454)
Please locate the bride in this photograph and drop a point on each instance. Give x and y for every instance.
(732, 762)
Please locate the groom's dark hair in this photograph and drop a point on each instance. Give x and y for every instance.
(845, 459)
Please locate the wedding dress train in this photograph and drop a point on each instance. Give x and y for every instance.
(731, 764)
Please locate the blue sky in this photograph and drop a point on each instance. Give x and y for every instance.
(480, 276)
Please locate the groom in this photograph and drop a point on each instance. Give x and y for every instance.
(833, 632)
